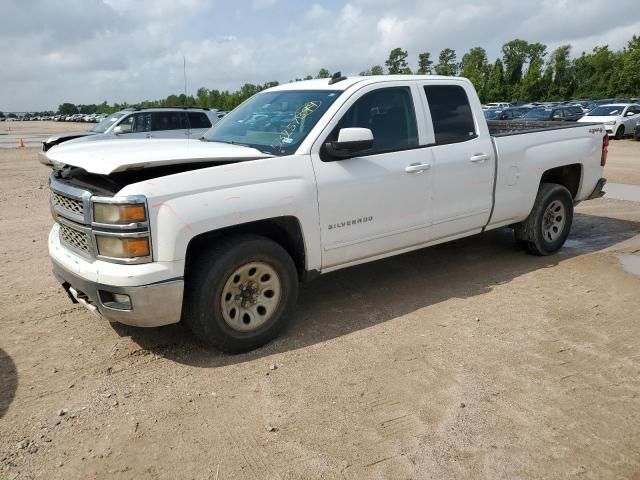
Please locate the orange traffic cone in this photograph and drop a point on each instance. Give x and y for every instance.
(21, 143)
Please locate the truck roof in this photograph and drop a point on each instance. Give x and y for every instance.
(323, 83)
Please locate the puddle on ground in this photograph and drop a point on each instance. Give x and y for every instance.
(631, 263)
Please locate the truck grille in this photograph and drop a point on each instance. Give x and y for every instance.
(75, 238)
(66, 203)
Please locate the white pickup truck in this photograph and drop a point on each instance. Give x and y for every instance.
(300, 180)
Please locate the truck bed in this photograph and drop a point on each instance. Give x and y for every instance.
(502, 128)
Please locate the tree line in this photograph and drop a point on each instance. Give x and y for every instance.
(524, 71)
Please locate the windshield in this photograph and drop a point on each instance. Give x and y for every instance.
(537, 114)
(273, 122)
(606, 111)
(104, 125)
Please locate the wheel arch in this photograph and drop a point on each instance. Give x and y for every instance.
(569, 176)
(285, 231)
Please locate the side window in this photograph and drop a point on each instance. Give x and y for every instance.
(198, 120)
(450, 113)
(141, 122)
(389, 114)
(136, 123)
(126, 125)
(171, 120)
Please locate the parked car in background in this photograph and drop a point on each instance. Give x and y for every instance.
(492, 114)
(619, 118)
(513, 113)
(556, 114)
(496, 105)
(505, 114)
(145, 123)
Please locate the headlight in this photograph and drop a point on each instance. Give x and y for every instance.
(122, 247)
(119, 214)
(611, 122)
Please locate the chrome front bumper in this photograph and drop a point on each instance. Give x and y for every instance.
(151, 305)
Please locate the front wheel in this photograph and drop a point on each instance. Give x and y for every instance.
(240, 292)
(620, 133)
(547, 227)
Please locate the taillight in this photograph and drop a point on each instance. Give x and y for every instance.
(605, 150)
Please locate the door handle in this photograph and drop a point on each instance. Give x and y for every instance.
(479, 158)
(417, 167)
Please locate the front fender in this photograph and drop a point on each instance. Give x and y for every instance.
(185, 205)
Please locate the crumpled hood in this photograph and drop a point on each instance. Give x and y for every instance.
(118, 155)
(77, 134)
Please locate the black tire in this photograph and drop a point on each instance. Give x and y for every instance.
(203, 311)
(620, 133)
(531, 233)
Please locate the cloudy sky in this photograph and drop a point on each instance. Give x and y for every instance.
(88, 51)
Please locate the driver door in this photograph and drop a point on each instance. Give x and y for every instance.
(377, 202)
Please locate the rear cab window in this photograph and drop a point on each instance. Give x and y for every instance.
(451, 114)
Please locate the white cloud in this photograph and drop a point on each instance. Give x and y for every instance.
(260, 4)
(130, 50)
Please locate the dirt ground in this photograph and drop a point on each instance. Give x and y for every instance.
(470, 360)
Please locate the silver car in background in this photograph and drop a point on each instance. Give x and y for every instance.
(162, 122)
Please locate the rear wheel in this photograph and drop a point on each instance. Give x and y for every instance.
(620, 133)
(240, 292)
(547, 227)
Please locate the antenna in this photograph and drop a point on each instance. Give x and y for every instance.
(184, 74)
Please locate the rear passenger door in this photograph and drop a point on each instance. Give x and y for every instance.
(169, 124)
(464, 162)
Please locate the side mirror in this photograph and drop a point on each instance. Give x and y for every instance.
(555, 117)
(120, 129)
(630, 114)
(350, 142)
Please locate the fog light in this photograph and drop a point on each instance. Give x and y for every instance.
(117, 301)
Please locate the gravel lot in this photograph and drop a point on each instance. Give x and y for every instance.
(469, 360)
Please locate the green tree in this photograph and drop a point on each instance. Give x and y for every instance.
(536, 51)
(562, 85)
(531, 87)
(495, 83)
(204, 99)
(447, 63)
(514, 56)
(397, 61)
(375, 70)
(67, 109)
(323, 73)
(546, 83)
(425, 64)
(630, 71)
(172, 101)
(474, 66)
